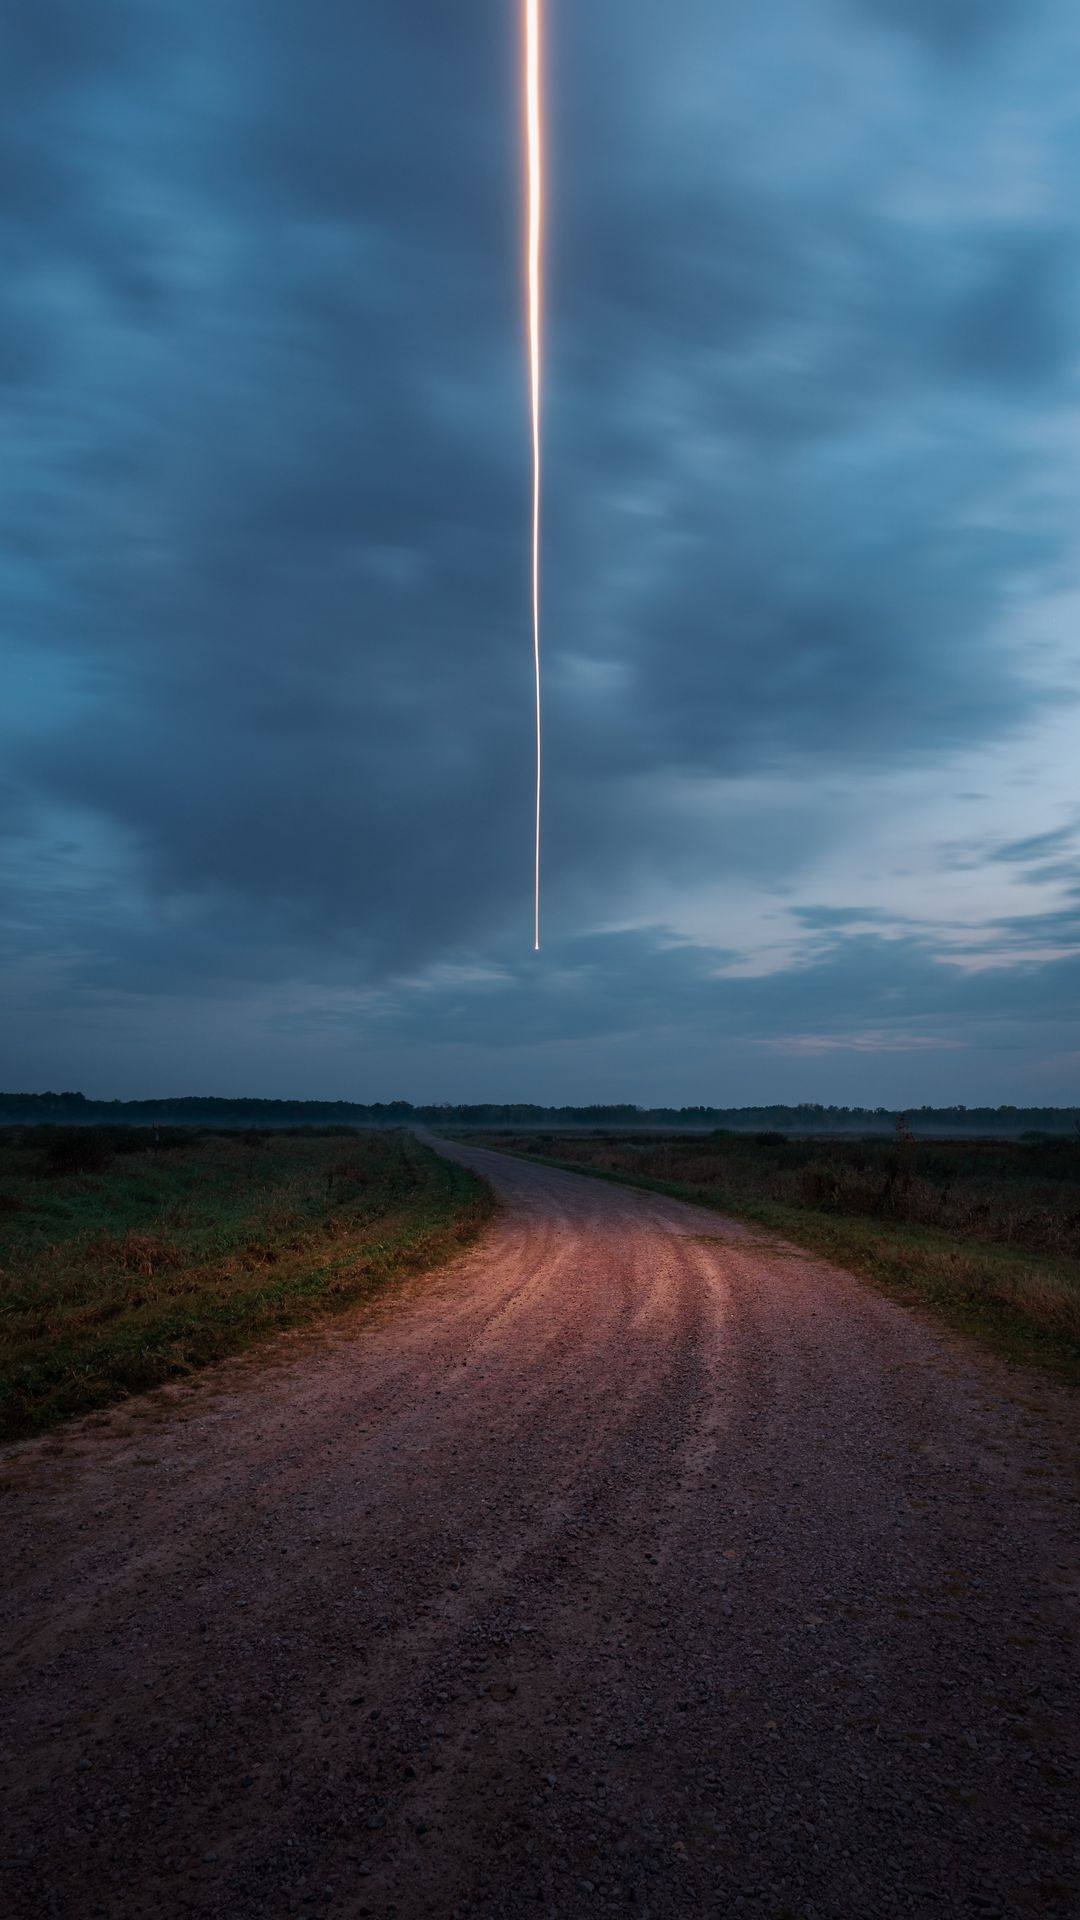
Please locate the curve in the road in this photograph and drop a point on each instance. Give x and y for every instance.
(633, 1563)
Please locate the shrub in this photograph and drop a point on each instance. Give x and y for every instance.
(76, 1150)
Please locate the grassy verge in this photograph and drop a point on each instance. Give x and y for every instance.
(1024, 1305)
(129, 1258)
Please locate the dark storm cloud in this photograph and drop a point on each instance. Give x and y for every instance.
(60, 41)
(264, 515)
(950, 27)
(674, 1007)
(1015, 326)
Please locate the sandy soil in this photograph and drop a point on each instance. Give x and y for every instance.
(634, 1563)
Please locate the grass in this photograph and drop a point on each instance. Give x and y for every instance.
(985, 1234)
(132, 1256)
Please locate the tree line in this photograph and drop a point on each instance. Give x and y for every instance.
(68, 1108)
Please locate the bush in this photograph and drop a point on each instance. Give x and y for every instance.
(76, 1150)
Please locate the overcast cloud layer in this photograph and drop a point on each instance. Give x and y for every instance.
(813, 466)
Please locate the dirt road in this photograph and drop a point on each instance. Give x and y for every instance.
(632, 1564)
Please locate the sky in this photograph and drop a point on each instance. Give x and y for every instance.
(811, 552)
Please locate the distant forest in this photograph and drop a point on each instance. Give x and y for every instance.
(68, 1109)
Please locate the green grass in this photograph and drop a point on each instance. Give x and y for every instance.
(1021, 1302)
(129, 1259)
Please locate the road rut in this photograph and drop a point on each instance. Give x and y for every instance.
(633, 1563)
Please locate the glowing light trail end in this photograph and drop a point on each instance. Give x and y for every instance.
(534, 127)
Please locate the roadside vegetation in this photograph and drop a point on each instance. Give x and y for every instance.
(985, 1232)
(131, 1256)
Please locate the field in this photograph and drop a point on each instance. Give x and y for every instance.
(984, 1232)
(130, 1256)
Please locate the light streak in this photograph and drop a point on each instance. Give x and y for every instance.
(535, 142)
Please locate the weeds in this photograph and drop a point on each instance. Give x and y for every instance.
(1012, 1193)
(986, 1232)
(125, 1263)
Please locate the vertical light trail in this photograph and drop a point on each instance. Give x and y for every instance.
(534, 128)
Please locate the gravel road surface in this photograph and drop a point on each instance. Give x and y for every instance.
(634, 1563)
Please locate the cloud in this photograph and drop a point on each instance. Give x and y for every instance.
(1013, 328)
(1037, 845)
(950, 27)
(264, 511)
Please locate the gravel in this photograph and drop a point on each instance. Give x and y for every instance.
(634, 1563)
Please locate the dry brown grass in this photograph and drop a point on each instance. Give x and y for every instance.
(125, 1262)
(986, 1232)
